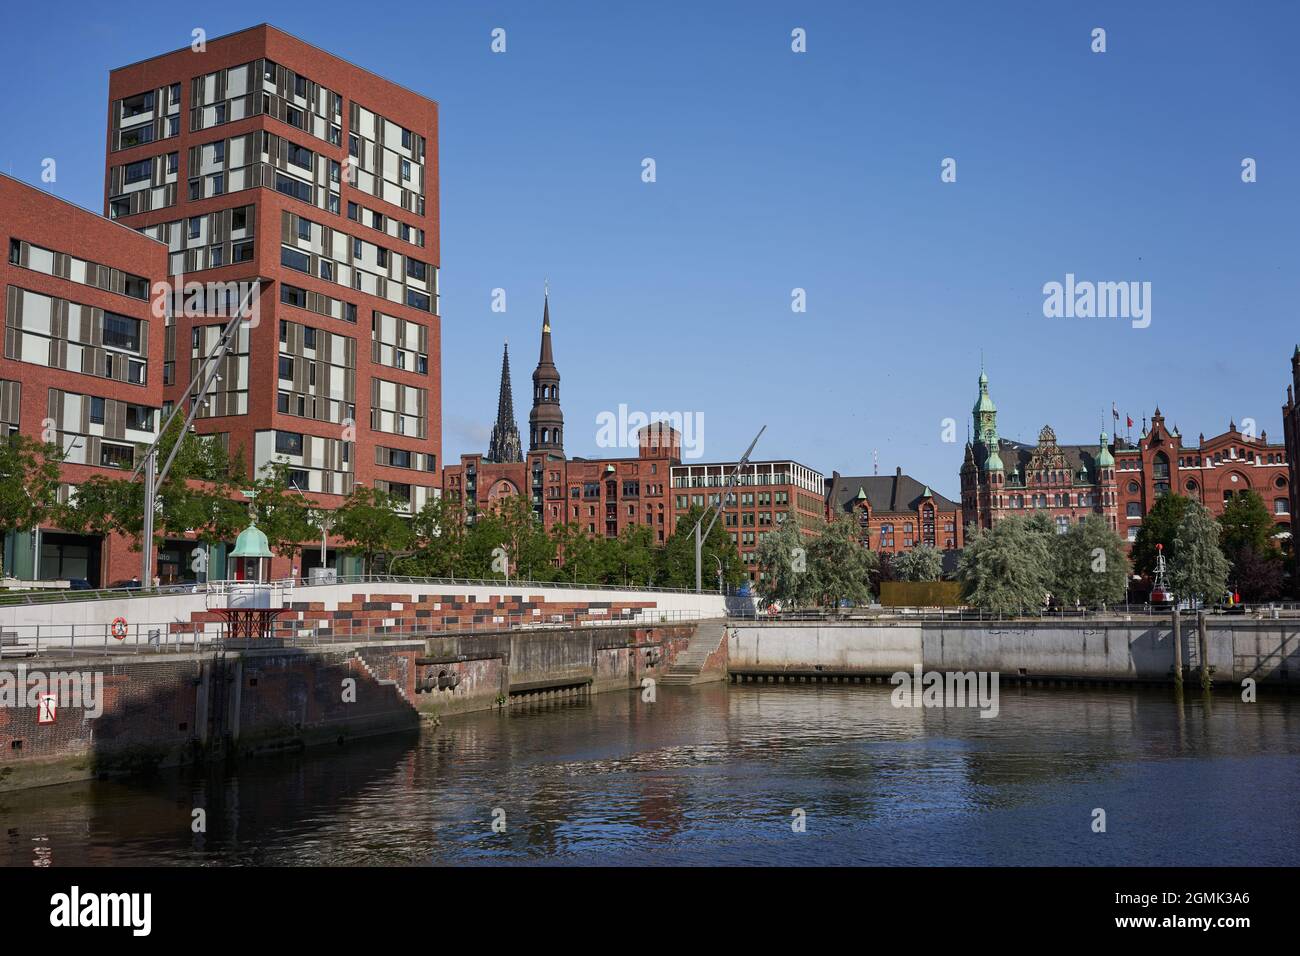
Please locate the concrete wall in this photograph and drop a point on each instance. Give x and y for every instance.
(1238, 648)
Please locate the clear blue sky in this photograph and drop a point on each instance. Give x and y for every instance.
(819, 171)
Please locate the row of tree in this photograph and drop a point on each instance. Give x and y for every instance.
(206, 497)
(1255, 560)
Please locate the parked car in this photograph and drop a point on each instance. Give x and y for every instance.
(132, 585)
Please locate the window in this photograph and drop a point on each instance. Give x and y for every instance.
(300, 86)
(214, 256)
(308, 337)
(295, 259)
(96, 411)
(173, 162)
(135, 105)
(286, 367)
(352, 211)
(218, 184)
(218, 151)
(298, 155)
(292, 187)
(1281, 506)
(400, 458)
(116, 456)
(137, 137)
(416, 269)
(137, 171)
(406, 139)
(354, 147)
(288, 443)
(292, 295)
(139, 417)
(327, 270)
(242, 251)
(196, 226)
(298, 478)
(406, 170)
(121, 332)
(304, 229)
(417, 300)
(1134, 509)
(282, 402)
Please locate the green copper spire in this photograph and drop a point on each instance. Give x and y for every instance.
(1104, 458)
(985, 415)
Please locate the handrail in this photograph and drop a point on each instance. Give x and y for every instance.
(221, 586)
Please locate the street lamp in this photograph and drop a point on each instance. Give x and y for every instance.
(717, 509)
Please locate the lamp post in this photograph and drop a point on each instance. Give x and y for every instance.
(717, 510)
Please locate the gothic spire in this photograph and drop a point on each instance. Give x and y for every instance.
(505, 444)
(546, 421)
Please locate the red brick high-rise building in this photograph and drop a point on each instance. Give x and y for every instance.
(265, 161)
(82, 362)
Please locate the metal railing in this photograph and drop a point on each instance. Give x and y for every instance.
(45, 640)
(1116, 613)
(35, 597)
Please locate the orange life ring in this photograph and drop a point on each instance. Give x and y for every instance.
(118, 627)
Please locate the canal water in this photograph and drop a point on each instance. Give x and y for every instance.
(726, 775)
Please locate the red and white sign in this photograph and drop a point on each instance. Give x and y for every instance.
(47, 711)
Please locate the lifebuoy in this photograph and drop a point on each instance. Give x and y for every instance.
(118, 627)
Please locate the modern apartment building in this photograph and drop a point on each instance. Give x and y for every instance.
(766, 494)
(263, 162)
(83, 361)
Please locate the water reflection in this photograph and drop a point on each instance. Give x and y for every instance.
(711, 776)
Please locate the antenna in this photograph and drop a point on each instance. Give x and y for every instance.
(875, 461)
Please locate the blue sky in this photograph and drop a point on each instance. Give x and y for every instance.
(820, 170)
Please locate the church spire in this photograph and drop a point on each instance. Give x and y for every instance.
(546, 421)
(506, 444)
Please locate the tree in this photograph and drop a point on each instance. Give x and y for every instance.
(282, 511)
(438, 540)
(1007, 568)
(1246, 532)
(1160, 526)
(527, 547)
(679, 554)
(1246, 523)
(787, 575)
(635, 556)
(841, 567)
(1257, 577)
(29, 483)
(369, 521)
(200, 496)
(922, 563)
(1089, 566)
(1198, 568)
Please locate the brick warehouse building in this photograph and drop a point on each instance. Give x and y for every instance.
(607, 495)
(604, 495)
(1212, 471)
(83, 356)
(264, 159)
(1001, 478)
(895, 513)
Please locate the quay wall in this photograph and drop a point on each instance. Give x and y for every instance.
(1266, 651)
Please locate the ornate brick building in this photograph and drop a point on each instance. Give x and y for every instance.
(896, 512)
(1212, 471)
(1000, 477)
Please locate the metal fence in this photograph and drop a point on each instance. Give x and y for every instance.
(32, 597)
(1115, 613)
(45, 640)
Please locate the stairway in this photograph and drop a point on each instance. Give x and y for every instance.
(686, 668)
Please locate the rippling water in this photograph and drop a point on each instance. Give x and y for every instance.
(713, 774)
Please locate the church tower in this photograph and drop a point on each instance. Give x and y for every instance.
(546, 421)
(506, 445)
